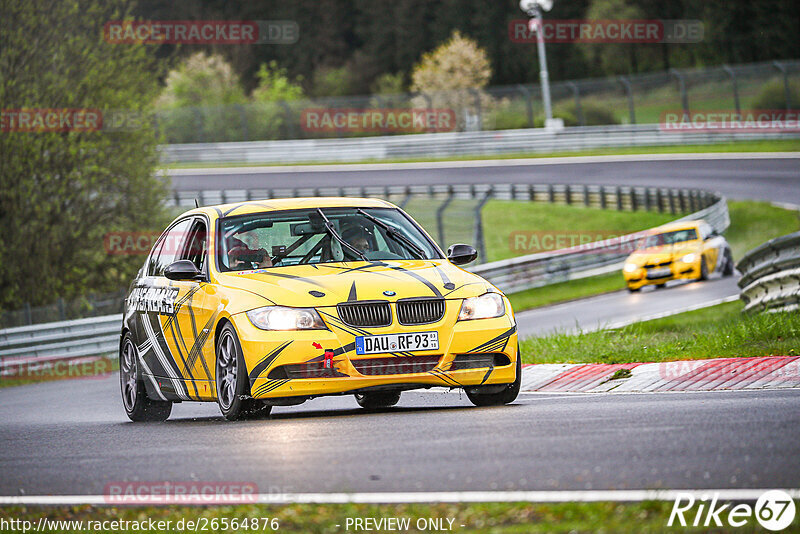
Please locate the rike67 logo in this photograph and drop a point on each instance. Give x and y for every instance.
(774, 510)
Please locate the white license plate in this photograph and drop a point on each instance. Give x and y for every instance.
(658, 273)
(397, 342)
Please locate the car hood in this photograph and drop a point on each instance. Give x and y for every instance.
(663, 253)
(328, 284)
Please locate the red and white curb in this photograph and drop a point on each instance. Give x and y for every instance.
(689, 375)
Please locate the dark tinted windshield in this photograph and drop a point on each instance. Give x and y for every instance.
(302, 236)
(669, 238)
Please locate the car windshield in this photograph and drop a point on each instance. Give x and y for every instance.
(319, 235)
(669, 238)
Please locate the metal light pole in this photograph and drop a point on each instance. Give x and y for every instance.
(534, 10)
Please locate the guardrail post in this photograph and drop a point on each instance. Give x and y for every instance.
(618, 192)
(634, 202)
(551, 194)
(586, 196)
(406, 199)
(480, 245)
(786, 93)
(528, 103)
(578, 110)
(603, 197)
(626, 85)
(660, 200)
(735, 83)
(682, 88)
(440, 214)
(568, 195)
(672, 201)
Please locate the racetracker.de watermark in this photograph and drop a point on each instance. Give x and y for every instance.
(201, 32)
(730, 120)
(694, 371)
(183, 492)
(626, 31)
(38, 120)
(377, 120)
(582, 241)
(31, 369)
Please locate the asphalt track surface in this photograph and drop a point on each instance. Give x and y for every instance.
(621, 307)
(759, 177)
(72, 437)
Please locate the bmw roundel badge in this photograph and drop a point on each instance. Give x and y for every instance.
(389, 293)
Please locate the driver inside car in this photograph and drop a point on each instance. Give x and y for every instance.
(241, 256)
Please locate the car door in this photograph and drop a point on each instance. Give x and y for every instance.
(189, 333)
(154, 301)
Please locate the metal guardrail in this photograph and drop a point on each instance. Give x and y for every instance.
(536, 270)
(771, 275)
(435, 145)
(60, 341)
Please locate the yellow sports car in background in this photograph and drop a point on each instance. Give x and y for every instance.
(274, 302)
(687, 250)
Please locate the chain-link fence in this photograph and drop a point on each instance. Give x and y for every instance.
(93, 305)
(639, 99)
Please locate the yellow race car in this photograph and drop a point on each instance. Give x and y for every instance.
(274, 302)
(686, 250)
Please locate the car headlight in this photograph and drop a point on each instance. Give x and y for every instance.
(689, 258)
(631, 267)
(282, 318)
(485, 306)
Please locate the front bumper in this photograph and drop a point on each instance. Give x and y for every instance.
(677, 270)
(268, 353)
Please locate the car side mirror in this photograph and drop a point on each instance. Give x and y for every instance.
(183, 270)
(461, 254)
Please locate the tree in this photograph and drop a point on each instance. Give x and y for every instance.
(203, 99)
(63, 191)
(274, 84)
(270, 100)
(452, 76)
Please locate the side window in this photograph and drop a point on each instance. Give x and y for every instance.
(169, 247)
(196, 247)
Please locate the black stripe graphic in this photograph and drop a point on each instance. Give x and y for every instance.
(353, 296)
(265, 362)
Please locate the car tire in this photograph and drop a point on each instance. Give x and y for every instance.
(138, 406)
(376, 400)
(728, 268)
(703, 269)
(633, 289)
(232, 382)
(506, 396)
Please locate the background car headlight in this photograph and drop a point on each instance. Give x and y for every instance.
(689, 258)
(281, 318)
(484, 307)
(630, 267)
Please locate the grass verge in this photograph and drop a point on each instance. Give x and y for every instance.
(516, 228)
(780, 145)
(477, 518)
(720, 331)
(564, 291)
